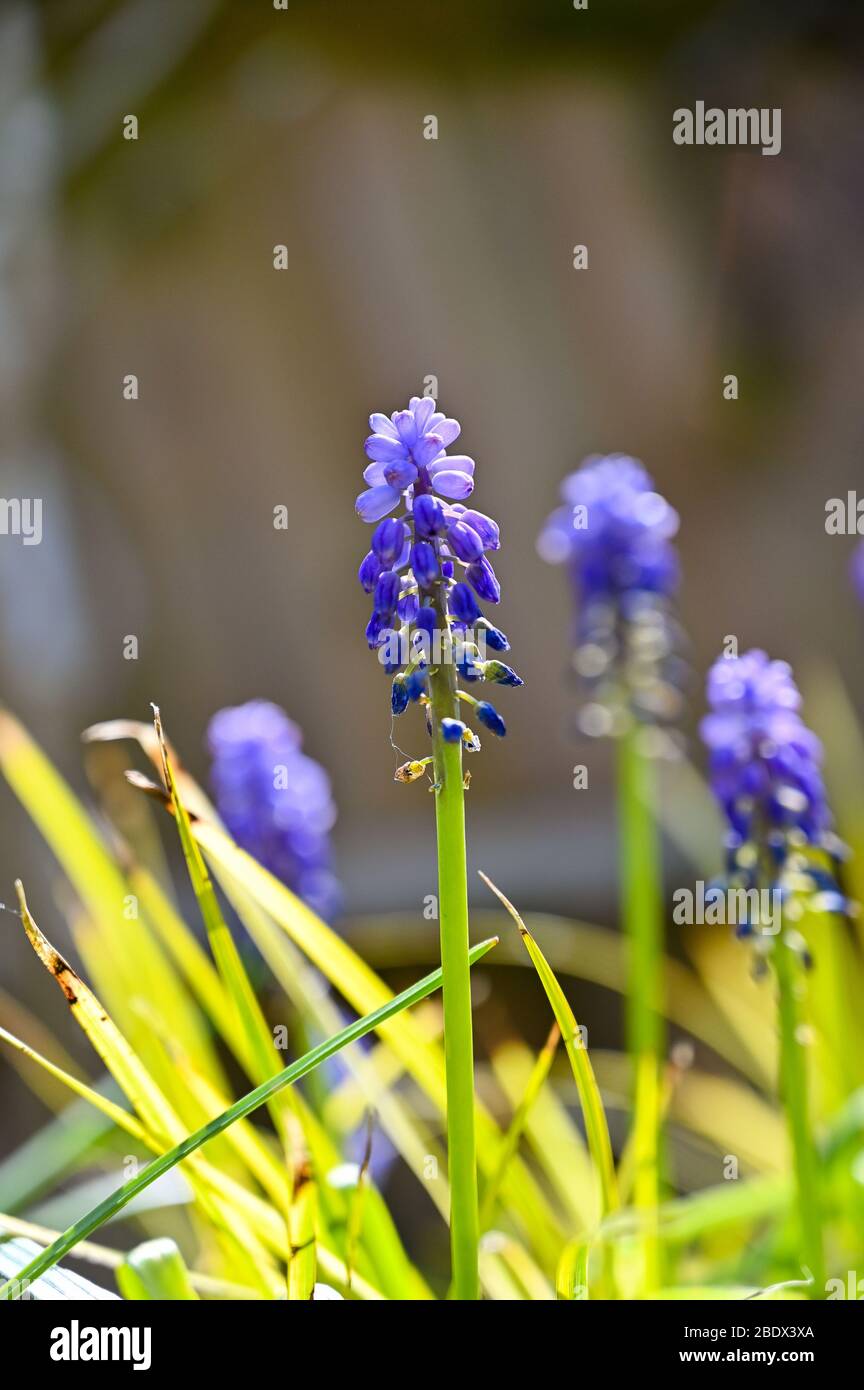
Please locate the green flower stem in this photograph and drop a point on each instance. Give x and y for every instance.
(458, 1035)
(794, 1095)
(642, 910)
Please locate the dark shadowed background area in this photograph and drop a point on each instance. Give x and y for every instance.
(409, 258)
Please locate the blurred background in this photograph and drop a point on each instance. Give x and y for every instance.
(409, 258)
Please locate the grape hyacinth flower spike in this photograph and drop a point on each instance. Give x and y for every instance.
(275, 800)
(428, 572)
(614, 533)
(765, 770)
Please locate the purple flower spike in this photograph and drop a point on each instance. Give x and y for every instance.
(614, 529)
(275, 800)
(614, 533)
(765, 763)
(766, 772)
(427, 565)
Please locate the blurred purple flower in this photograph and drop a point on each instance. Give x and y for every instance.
(765, 763)
(614, 533)
(613, 530)
(765, 767)
(275, 800)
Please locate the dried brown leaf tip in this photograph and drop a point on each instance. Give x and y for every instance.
(506, 902)
(145, 784)
(50, 957)
(163, 749)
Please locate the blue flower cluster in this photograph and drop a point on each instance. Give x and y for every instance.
(428, 568)
(614, 532)
(275, 800)
(765, 770)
